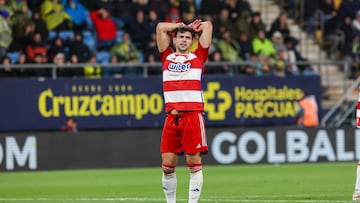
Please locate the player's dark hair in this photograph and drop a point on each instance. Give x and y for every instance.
(183, 29)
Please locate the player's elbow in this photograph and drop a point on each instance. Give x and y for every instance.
(207, 25)
(160, 27)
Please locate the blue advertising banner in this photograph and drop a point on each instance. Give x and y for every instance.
(138, 102)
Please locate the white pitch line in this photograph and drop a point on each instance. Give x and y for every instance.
(215, 200)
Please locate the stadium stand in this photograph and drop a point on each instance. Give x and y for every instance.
(236, 12)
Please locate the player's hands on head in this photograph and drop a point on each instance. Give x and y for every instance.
(195, 25)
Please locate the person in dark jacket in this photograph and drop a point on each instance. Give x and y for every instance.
(79, 48)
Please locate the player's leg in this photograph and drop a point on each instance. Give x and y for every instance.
(170, 147)
(356, 195)
(196, 176)
(169, 181)
(194, 143)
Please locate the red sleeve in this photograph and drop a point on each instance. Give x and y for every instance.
(202, 53)
(93, 15)
(165, 53)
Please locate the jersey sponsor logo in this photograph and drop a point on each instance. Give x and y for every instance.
(177, 67)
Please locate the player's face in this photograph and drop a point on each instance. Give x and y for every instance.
(183, 41)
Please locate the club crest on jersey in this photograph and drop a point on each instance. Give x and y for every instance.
(179, 67)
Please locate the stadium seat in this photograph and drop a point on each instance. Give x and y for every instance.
(119, 35)
(90, 39)
(103, 57)
(52, 35)
(141, 57)
(14, 56)
(66, 34)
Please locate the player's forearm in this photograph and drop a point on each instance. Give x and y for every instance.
(206, 26)
(166, 27)
(206, 29)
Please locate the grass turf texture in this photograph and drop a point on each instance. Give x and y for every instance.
(310, 182)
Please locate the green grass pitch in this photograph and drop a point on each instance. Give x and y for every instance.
(309, 182)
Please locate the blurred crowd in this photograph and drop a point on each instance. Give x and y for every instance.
(123, 32)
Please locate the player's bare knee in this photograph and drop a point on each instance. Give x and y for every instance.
(193, 168)
(168, 169)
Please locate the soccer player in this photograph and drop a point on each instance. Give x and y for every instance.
(184, 127)
(356, 195)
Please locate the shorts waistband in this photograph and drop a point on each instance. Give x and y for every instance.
(183, 113)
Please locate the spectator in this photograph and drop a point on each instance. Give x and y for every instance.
(39, 72)
(278, 41)
(210, 7)
(290, 6)
(126, 50)
(113, 71)
(70, 125)
(356, 23)
(40, 24)
(56, 46)
(160, 7)
(244, 6)
(73, 59)
(348, 33)
(280, 24)
(223, 22)
(78, 13)
(20, 12)
(329, 11)
(151, 58)
(151, 48)
(52, 11)
(307, 112)
(79, 48)
(188, 7)
(22, 36)
(153, 19)
(256, 24)
(62, 70)
(34, 4)
(263, 45)
(252, 66)
(293, 56)
(311, 8)
(105, 28)
(230, 48)
(353, 58)
(173, 16)
(243, 24)
(36, 46)
(348, 8)
(333, 35)
(232, 6)
(282, 65)
(140, 31)
(216, 69)
(187, 16)
(22, 72)
(92, 69)
(122, 12)
(245, 45)
(266, 67)
(6, 70)
(5, 32)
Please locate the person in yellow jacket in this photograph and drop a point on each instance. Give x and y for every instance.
(307, 112)
(92, 69)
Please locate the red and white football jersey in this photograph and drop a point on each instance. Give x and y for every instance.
(182, 75)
